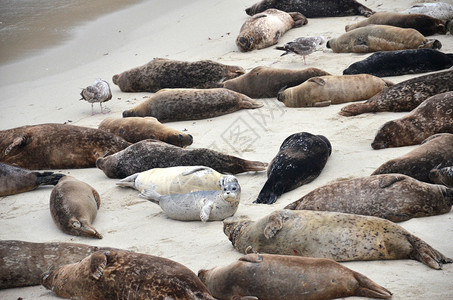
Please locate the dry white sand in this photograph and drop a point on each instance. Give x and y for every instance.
(45, 88)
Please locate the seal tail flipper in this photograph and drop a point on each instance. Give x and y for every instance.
(269, 193)
(128, 181)
(150, 195)
(370, 289)
(426, 254)
(355, 109)
(249, 165)
(48, 178)
(250, 103)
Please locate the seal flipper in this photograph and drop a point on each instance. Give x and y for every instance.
(274, 224)
(252, 258)
(389, 180)
(426, 254)
(88, 230)
(129, 181)
(18, 142)
(370, 289)
(97, 264)
(269, 193)
(206, 211)
(250, 103)
(194, 170)
(150, 195)
(47, 178)
(355, 109)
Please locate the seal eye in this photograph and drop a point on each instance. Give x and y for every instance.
(234, 189)
(224, 189)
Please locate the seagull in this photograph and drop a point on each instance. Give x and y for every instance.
(302, 46)
(99, 91)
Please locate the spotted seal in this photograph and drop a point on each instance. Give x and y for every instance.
(440, 10)
(442, 176)
(323, 234)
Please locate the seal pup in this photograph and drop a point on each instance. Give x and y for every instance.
(135, 129)
(99, 91)
(299, 161)
(73, 206)
(440, 10)
(265, 82)
(118, 274)
(150, 154)
(15, 180)
(265, 29)
(214, 205)
(404, 96)
(434, 115)
(424, 24)
(395, 197)
(23, 263)
(302, 46)
(324, 234)
(434, 152)
(313, 8)
(273, 277)
(330, 89)
(442, 176)
(170, 105)
(401, 62)
(374, 38)
(161, 73)
(56, 146)
(175, 180)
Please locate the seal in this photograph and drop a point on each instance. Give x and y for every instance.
(99, 91)
(149, 154)
(373, 38)
(214, 205)
(434, 152)
(434, 115)
(118, 274)
(332, 235)
(395, 197)
(265, 29)
(15, 180)
(326, 90)
(170, 105)
(440, 10)
(135, 129)
(278, 277)
(442, 176)
(401, 62)
(424, 24)
(300, 160)
(265, 82)
(302, 46)
(23, 263)
(163, 73)
(404, 96)
(56, 146)
(73, 206)
(175, 180)
(313, 9)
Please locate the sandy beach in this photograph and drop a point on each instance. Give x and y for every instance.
(45, 88)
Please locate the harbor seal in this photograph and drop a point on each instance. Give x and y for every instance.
(150, 154)
(434, 152)
(323, 234)
(279, 277)
(440, 10)
(73, 206)
(214, 205)
(15, 180)
(442, 176)
(313, 8)
(118, 274)
(326, 90)
(161, 73)
(56, 146)
(99, 91)
(434, 115)
(135, 129)
(403, 96)
(265, 82)
(395, 197)
(265, 29)
(374, 38)
(170, 105)
(175, 180)
(401, 62)
(424, 24)
(23, 263)
(299, 161)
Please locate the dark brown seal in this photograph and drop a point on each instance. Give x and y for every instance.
(395, 197)
(434, 115)
(434, 152)
(265, 82)
(136, 129)
(57, 146)
(73, 206)
(404, 96)
(118, 274)
(324, 234)
(170, 105)
(442, 176)
(313, 8)
(150, 154)
(163, 73)
(23, 263)
(14, 180)
(280, 277)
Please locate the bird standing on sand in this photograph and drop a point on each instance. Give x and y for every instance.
(99, 91)
(302, 46)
